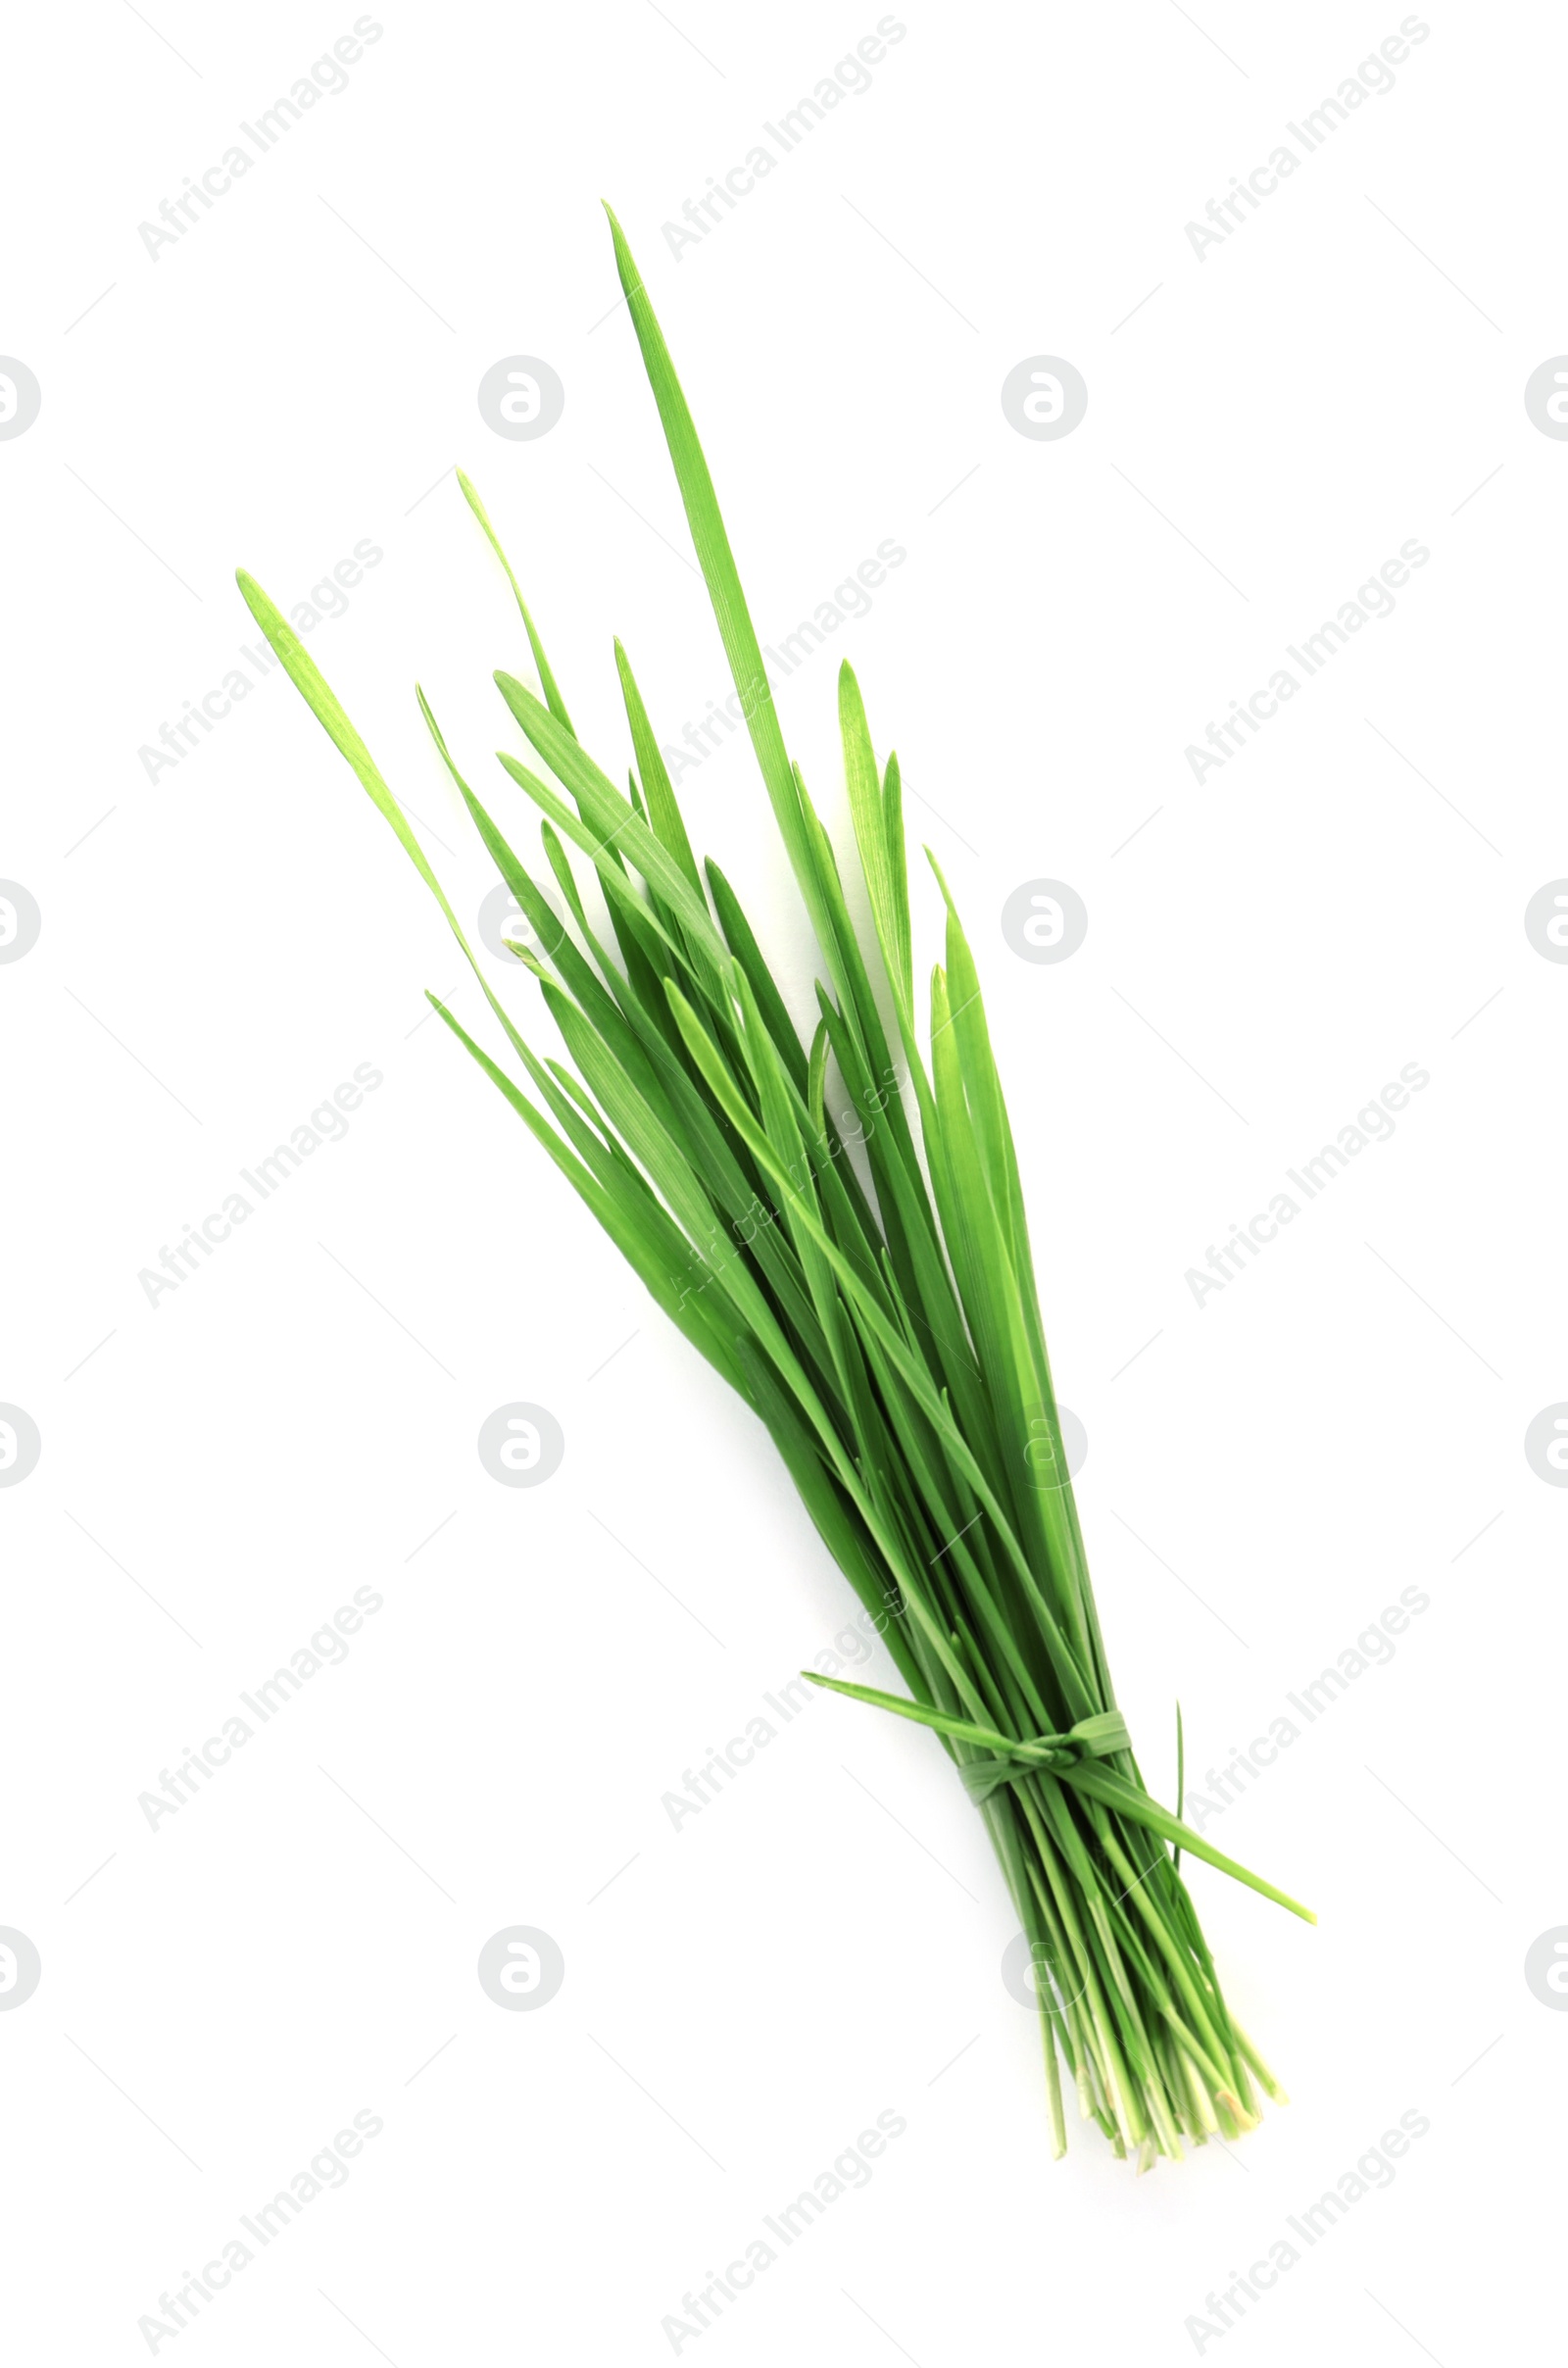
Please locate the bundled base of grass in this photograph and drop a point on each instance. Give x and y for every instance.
(880, 1316)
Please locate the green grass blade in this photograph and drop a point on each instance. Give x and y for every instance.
(611, 817)
(903, 966)
(547, 680)
(881, 853)
(664, 809)
(322, 702)
(639, 1229)
(718, 562)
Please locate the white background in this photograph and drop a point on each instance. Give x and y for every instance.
(223, 945)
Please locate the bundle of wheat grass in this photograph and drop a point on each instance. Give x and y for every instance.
(877, 1312)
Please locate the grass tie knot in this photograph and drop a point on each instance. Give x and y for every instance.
(1094, 1738)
